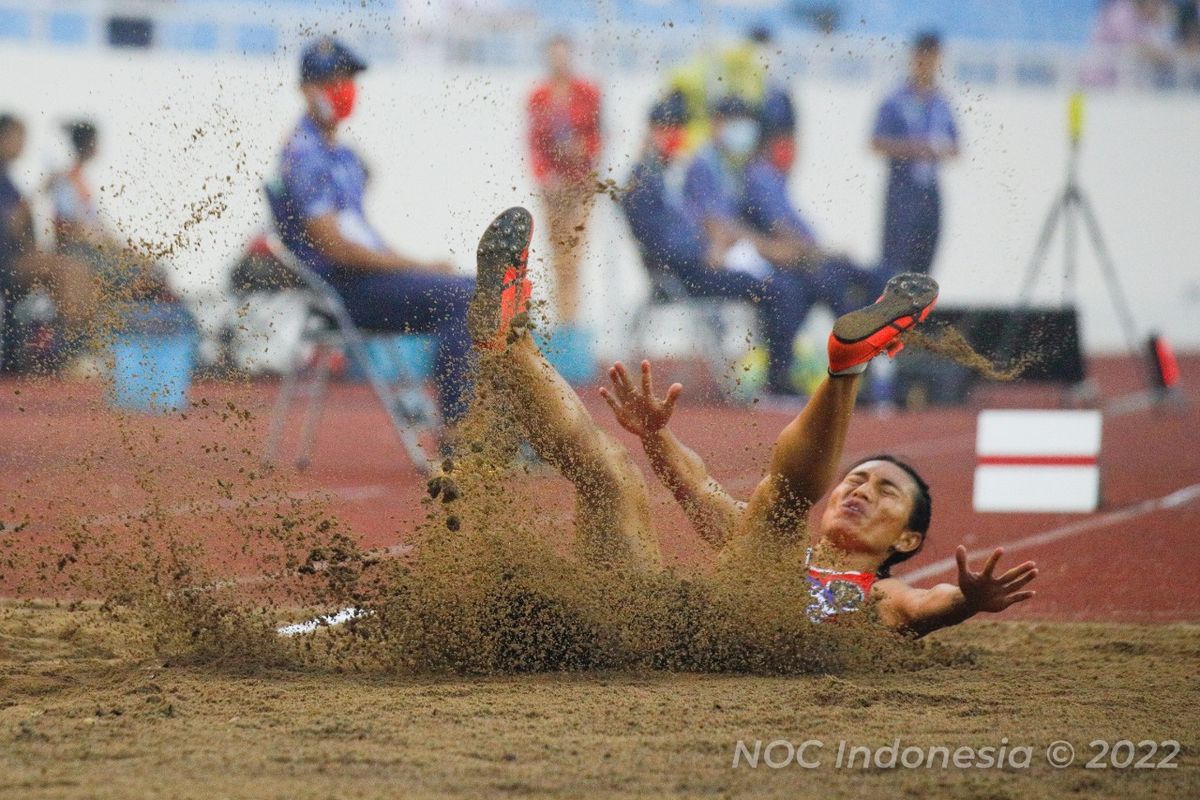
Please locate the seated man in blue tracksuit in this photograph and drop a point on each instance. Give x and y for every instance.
(676, 242)
(326, 228)
(766, 206)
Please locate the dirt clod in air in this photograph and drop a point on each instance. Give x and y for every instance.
(948, 342)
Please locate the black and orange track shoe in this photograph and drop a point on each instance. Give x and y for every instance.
(861, 335)
(502, 288)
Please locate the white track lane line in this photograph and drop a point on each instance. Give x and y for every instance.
(1176, 499)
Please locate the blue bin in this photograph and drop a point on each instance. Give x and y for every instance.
(152, 360)
(405, 355)
(569, 350)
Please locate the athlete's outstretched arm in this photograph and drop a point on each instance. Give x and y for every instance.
(923, 611)
(710, 509)
(803, 462)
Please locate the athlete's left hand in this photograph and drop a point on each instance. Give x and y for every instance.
(639, 411)
(984, 591)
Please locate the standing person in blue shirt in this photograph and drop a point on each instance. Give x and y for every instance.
(326, 228)
(674, 241)
(915, 132)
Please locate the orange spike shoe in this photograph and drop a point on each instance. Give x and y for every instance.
(502, 289)
(861, 335)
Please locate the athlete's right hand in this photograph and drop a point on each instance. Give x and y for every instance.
(638, 410)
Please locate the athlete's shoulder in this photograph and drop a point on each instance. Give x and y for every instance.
(889, 587)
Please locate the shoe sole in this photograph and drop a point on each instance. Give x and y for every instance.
(907, 299)
(500, 263)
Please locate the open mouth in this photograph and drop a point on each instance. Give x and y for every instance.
(854, 507)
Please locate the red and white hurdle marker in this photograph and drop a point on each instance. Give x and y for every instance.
(1041, 461)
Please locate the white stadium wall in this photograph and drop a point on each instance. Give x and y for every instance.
(187, 142)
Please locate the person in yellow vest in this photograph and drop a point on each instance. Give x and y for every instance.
(737, 71)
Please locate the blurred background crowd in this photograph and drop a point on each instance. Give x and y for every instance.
(1104, 42)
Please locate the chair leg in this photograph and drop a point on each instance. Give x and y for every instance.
(316, 405)
(283, 403)
(714, 330)
(405, 432)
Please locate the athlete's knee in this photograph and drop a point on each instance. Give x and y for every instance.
(605, 466)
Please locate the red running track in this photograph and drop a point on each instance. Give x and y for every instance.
(64, 458)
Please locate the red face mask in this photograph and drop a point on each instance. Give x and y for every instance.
(341, 95)
(669, 141)
(781, 152)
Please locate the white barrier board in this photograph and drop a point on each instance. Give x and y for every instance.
(1037, 461)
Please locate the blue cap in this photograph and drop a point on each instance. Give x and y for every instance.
(671, 110)
(730, 106)
(328, 58)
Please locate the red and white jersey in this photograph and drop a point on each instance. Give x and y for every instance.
(833, 592)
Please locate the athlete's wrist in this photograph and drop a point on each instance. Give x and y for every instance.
(656, 438)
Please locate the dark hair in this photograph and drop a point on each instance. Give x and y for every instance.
(730, 106)
(927, 42)
(670, 111)
(8, 122)
(918, 519)
(760, 34)
(83, 135)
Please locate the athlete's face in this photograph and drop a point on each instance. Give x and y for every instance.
(868, 511)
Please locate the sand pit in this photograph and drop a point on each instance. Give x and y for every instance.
(87, 710)
(190, 694)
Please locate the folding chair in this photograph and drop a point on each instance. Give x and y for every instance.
(705, 326)
(328, 329)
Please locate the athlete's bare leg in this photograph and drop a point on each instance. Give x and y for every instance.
(612, 508)
(612, 514)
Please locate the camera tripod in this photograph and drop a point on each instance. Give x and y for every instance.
(1070, 208)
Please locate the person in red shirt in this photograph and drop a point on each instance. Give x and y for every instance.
(564, 145)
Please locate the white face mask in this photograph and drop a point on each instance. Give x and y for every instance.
(323, 109)
(739, 137)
